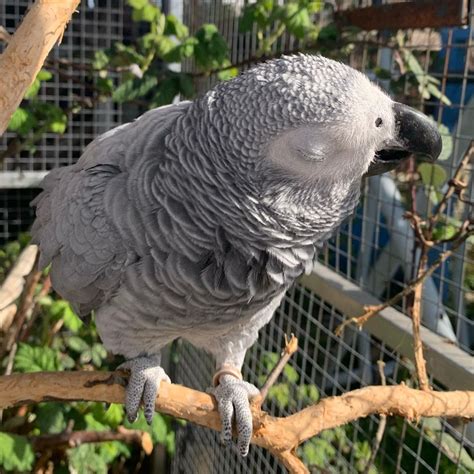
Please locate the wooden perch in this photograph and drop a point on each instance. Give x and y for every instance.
(42, 27)
(281, 436)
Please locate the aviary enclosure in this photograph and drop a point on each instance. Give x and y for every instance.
(408, 221)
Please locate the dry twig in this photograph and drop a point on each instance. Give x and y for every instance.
(291, 347)
(424, 236)
(70, 439)
(371, 311)
(382, 423)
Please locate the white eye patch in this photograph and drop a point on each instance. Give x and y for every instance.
(312, 154)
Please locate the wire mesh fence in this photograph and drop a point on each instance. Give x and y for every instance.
(375, 249)
(334, 367)
(92, 29)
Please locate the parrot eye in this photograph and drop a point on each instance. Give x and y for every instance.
(378, 122)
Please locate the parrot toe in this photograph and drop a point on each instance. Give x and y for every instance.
(143, 385)
(233, 400)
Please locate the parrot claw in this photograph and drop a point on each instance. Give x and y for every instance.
(233, 400)
(143, 385)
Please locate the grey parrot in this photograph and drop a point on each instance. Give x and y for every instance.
(193, 220)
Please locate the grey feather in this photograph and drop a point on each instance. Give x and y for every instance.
(193, 220)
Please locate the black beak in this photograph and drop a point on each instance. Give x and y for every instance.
(415, 134)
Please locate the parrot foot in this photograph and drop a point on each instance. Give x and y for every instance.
(143, 385)
(233, 400)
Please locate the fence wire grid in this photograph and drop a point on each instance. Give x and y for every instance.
(374, 249)
(334, 367)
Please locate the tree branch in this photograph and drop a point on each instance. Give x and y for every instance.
(42, 27)
(70, 439)
(279, 435)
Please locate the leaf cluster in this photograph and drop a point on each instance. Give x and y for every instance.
(58, 340)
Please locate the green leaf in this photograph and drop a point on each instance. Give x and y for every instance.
(170, 443)
(19, 117)
(167, 91)
(111, 450)
(50, 417)
(114, 415)
(432, 174)
(71, 320)
(316, 6)
(228, 74)
(269, 360)
(164, 44)
(77, 344)
(98, 354)
(22, 121)
(187, 47)
(33, 90)
(447, 140)
(444, 232)
(101, 59)
(36, 359)
(413, 64)
(44, 75)
(291, 374)
(186, 86)
(137, 4)
(329, 33)
(174, 27)
(248, 18)
(86, 459)
(126, 55)
(362, 450)
(105, 84)
(159, 429)
(434, 91)
(280, 394)
(297, 20)
(211, 50)
(308, 393)
(318, 452)
(16, 453)
(100, 417)
(135, 88)
(148, 13)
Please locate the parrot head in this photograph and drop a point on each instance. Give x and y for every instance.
(314, 117)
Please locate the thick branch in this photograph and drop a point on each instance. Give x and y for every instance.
(280, 435)
(27, 49)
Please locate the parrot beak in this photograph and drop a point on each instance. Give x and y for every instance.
(415, 134)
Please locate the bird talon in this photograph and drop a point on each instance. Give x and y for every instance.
(143, 385)
(233, 401)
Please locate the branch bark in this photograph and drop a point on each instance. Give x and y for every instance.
(42, 27)
(279, 435)
(66, 439)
